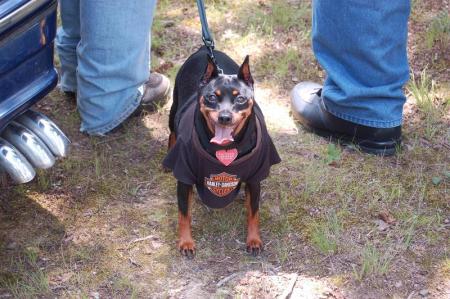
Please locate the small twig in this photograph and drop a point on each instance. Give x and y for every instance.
(224, 260)
(110, 139)
(133, 262)
(268, 243)
(325, 258)
(446, 145)
(288, 291)
(226, 279)
(140, 239)
(54, 288)
(410, 295)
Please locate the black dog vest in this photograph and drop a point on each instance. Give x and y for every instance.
(217, 184)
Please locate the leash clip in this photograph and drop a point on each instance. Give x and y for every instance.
(208, 42)
(206, 35)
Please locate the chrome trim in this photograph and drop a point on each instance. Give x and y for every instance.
(15, 164)
(47, 131)
(20, 13)
(29, 145)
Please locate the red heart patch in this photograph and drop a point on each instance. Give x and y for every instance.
(226, 156)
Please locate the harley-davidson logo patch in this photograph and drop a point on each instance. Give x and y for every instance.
(221, 184)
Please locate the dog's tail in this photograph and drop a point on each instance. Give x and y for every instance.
(173, 109)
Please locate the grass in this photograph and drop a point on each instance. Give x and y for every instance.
(280, 64)
(410, 231)
(125, 287)
(279, 15)
(439, 30)
(325, 235)
(333, 154)
(43, 180)
(423, 90)
(374, 262)
(28, 279)
(318, 210)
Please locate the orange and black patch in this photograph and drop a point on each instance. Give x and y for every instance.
(222, 184)
(172, 140)
(243, 115)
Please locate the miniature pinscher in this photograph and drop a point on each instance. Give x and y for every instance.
(218, 140)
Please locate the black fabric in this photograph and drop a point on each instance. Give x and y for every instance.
(217, 184)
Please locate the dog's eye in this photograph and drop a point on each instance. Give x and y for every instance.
(211, 98)
(240, 100)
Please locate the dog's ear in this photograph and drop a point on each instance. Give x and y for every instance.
(211, 72)
(244, 72)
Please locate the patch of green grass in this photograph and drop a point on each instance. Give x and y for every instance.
(125, 287)
(280, 64)
(172, 72)
(28, 279)
(20, 190)
(157, 31)
(423, 89)
(425, 227)
(333, 153)
(410, 231)
(228, 222)
(374, 262)
(99, 164)
(279, 16)
(43, 179)
(325, 235)
(439, 30)
(445, 267)
(279, 225)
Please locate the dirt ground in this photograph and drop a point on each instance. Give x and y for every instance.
(336, 223)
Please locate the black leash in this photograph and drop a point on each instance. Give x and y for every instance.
(206, 35)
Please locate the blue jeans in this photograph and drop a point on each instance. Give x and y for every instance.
(104, 49)
(362, 46)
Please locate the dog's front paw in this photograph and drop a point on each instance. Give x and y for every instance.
(254, 245)
(187, 248)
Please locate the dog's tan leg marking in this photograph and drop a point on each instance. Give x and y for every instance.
(172, 140)
(186, 243)
(254, 244)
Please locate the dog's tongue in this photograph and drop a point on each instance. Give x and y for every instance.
(222, 135)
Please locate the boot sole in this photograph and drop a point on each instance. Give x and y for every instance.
(388, 148)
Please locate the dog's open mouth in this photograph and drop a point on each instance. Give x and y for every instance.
(222, 134)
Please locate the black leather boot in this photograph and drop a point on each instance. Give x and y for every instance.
(309, 108)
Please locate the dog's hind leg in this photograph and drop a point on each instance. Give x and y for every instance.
(186, 243)
(172, 140)
(252, 196)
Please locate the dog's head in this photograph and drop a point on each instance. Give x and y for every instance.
(226, 101)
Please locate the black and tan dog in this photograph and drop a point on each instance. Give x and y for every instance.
(218, 140)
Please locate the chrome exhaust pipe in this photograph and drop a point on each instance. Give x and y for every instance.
(15, 164)
(47, 131)
(29, 145)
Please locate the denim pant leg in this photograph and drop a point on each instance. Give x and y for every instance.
(362, 46)
(113, 60)
(67, 39)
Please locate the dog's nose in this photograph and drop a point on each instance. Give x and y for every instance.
(225, 118)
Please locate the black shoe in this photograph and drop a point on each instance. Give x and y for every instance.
(309, 108)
